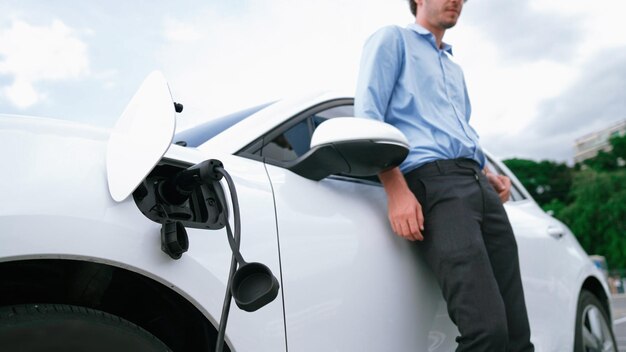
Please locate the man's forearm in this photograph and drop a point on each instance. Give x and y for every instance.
(393, 181)
(404, 211)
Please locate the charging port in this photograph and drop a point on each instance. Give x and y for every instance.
(198, 207)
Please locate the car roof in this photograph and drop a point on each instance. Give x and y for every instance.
(250, 128)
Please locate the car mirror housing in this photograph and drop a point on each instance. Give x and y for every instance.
(352, 147)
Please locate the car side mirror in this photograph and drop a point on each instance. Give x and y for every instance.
(353, 147)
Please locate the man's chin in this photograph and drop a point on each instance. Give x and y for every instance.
(448, 24)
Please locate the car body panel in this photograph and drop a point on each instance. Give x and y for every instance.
(348, 283)
(343, 278)
(58, 206)
(542, 283)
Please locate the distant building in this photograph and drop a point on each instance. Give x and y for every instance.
(589, 145)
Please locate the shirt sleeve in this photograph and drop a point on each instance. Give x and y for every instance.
(468, 104)
(479, 154)
(381, 63)
(468, 108)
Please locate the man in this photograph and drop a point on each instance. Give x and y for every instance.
(442, 196)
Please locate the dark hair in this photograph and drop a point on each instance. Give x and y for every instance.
(413, 7)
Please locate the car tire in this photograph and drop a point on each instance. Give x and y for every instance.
(59, 327)
(593, 328)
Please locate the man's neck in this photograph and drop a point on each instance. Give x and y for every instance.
(436, 31)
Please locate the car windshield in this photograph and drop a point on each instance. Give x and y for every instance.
(197, 135)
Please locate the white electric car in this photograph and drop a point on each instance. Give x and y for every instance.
(120, 237)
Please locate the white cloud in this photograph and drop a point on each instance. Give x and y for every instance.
(602, 22)
(528, 107)
(22, 93)
(272, 49)
(521, 62)
(178, 31)
(515, 59)
(108, 78)
(30, 54)
(525, 32)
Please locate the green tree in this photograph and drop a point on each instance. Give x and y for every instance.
(546, 181)
(554, 207)
(618, 143)
(597, 216)
(604, 161)
(590, 197)
(610, 160)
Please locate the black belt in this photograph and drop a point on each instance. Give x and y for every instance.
(442, 167)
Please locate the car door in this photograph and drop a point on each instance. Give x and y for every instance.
(349, 283)
(549, 269)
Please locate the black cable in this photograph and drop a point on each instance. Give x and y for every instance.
(219, 344)
(235, 201)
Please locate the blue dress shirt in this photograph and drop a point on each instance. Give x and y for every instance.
(410, 83)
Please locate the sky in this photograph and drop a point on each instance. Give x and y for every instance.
(540, 73)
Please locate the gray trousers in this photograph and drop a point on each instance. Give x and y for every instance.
(470, 246)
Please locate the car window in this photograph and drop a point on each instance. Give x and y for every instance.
(290, 144)
(337, 111)
(197, 135)
(296, 139)
(292, 138)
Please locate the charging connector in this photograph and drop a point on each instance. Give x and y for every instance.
(251, 284)
(176, 191)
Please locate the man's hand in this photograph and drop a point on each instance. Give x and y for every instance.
(502, 184)
(405, 212)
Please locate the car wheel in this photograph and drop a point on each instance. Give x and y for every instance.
(58, 327)
(593, 329)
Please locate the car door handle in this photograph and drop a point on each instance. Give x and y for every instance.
(555, 231)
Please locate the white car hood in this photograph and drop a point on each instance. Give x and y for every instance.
(50, 126)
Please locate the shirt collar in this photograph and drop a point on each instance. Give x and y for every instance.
(431, 38)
